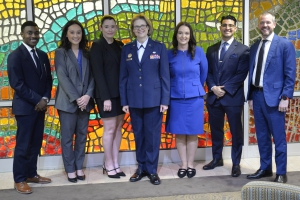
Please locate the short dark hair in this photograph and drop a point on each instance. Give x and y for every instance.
(65, 43)
(192, 41)
(28, 23)
(229, 17)
(105, 17)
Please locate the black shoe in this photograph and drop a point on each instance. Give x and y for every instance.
(82, 178)
(138, 175)
(120, 173)
(281, 178)
(181, 173)
(214, 163)
(191, 172)
(236, 171)
(110, 176)
(260, 173)
(72, 180)
(154, 179)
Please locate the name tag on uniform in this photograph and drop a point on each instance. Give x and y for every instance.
(129, 57)
(154, 55)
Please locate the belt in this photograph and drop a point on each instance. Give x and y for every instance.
(261, 89)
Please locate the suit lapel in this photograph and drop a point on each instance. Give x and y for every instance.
(271, 52)
(216, 54)
(228, 53)
(73, 59)
(84, 67)
(148, 51)
(134, 52)
(108, 48)
(29, 57)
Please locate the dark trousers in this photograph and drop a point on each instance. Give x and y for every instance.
(269, 122)
(217, 113)
(146, 125)
(28, 144)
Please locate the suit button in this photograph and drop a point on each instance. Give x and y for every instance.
(140, 69)
(140, 85)
(140, 77)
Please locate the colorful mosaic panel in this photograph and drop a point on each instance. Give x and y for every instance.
(288, 26)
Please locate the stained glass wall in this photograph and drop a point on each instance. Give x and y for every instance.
(288, 26)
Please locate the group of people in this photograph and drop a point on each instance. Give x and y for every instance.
(145, 79)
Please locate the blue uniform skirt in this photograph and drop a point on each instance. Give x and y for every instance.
(185, 116)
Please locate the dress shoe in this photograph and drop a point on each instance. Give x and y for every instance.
(236, 171)
(214, 163)
(38, 179)
(82, 178)
(138, 175)
(260, 173)
(72, 180)
(181, 173)
(281, 178)
(191, 172)
(23, 188)
(106, 170)
(154, 179)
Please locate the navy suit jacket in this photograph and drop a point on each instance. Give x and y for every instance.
(280, 70)
(230, 74)
(28, 85)
(145, 84)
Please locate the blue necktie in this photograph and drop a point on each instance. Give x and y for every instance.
(37, 62)
(223, 51)
(259, 63)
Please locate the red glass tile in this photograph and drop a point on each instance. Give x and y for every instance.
(2, 140)
(51, 139)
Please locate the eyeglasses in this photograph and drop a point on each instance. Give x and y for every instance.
(140, 27)
(228, 25)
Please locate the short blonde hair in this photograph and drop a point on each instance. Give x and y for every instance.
(143, 17)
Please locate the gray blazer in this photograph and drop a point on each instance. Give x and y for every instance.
(70, 86)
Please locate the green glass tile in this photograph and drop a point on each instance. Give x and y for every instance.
(207, 12)
(210, 36)
(13, 127)
(54, 74)
(1, 134)
(13, 132)
(116, 9)
(58, 136)
(124, 33)
(4, 128)
(7, 133)
(91, 29)
(192, 12)
(2, 56)
(99, 13)
(90, 15)
(47, 131)
(126, 7)
(55, 82)
(4, 48)
(200, 26)
(228, 9)
(190, 20)
(81, 19)
(71, 14)
(53, 132)
(93, 116)
(52, 46)
(15, 45)
(56, 27)
(210, 18)
(136, 9)
(62, 21)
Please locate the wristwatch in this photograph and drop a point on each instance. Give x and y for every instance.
(284, 97)
(47, 100)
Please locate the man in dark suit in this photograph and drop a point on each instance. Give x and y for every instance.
(30, 76)
(145, 92)
(271, 84)
(227, 69)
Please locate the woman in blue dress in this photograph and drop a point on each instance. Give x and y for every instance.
(188, 71)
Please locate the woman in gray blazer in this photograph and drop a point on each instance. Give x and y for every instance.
(73, 98)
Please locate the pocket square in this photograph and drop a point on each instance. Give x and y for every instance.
(233, 56)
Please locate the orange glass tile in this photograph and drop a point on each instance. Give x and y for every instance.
(10, 154)
(5, 93)
(97, 149)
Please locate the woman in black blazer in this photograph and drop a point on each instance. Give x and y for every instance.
(105, 58)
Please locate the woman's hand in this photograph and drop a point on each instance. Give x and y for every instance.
(107, 105)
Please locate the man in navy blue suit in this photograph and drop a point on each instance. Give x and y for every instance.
(228, 64)
(30, 76)
(271, 84)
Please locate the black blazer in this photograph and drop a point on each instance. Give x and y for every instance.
(28, 84)
(105, 64)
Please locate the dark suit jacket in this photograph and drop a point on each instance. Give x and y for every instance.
(145, 84)
(28, 85)
(70, 86)
(105, 65)
(231, 73)
(280, 71)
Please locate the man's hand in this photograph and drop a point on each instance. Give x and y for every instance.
(250, 104)
(83, 101)
(125, 109)
(218, 91)
(41, 106)
(283, 105)
(163, 108)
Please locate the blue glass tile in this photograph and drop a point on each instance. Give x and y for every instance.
(79, 10)
(71, 14)
(90, 15)
(49, 36)
(55, 27)
(52, 46)
(81, 19)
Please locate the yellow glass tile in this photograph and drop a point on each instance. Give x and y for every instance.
(125, 134)
(131, 136)
(42, 152)
(124, 145)
(184, 3)
(266, 5)
(235, 10)
(55, 121)
(220, 3)
(4, 121)
(228, 3)
(213, 4)
(92, 135)
(50, 119)
(193, 4)
(214, 11)
(90, 150)
(99, 132)
(163, 140)
(91, 143)
(254, 5)
(17, 12)
(44, 142)
(203, 36)
(258, 12)
(9, 5)
(2, 7)
(132, 145)
(16, 6)
(11, 121)
(203, 5)
(96, 142)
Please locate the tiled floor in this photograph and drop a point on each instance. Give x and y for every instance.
(165, 171)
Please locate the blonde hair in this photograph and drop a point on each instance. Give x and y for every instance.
(143, 17)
